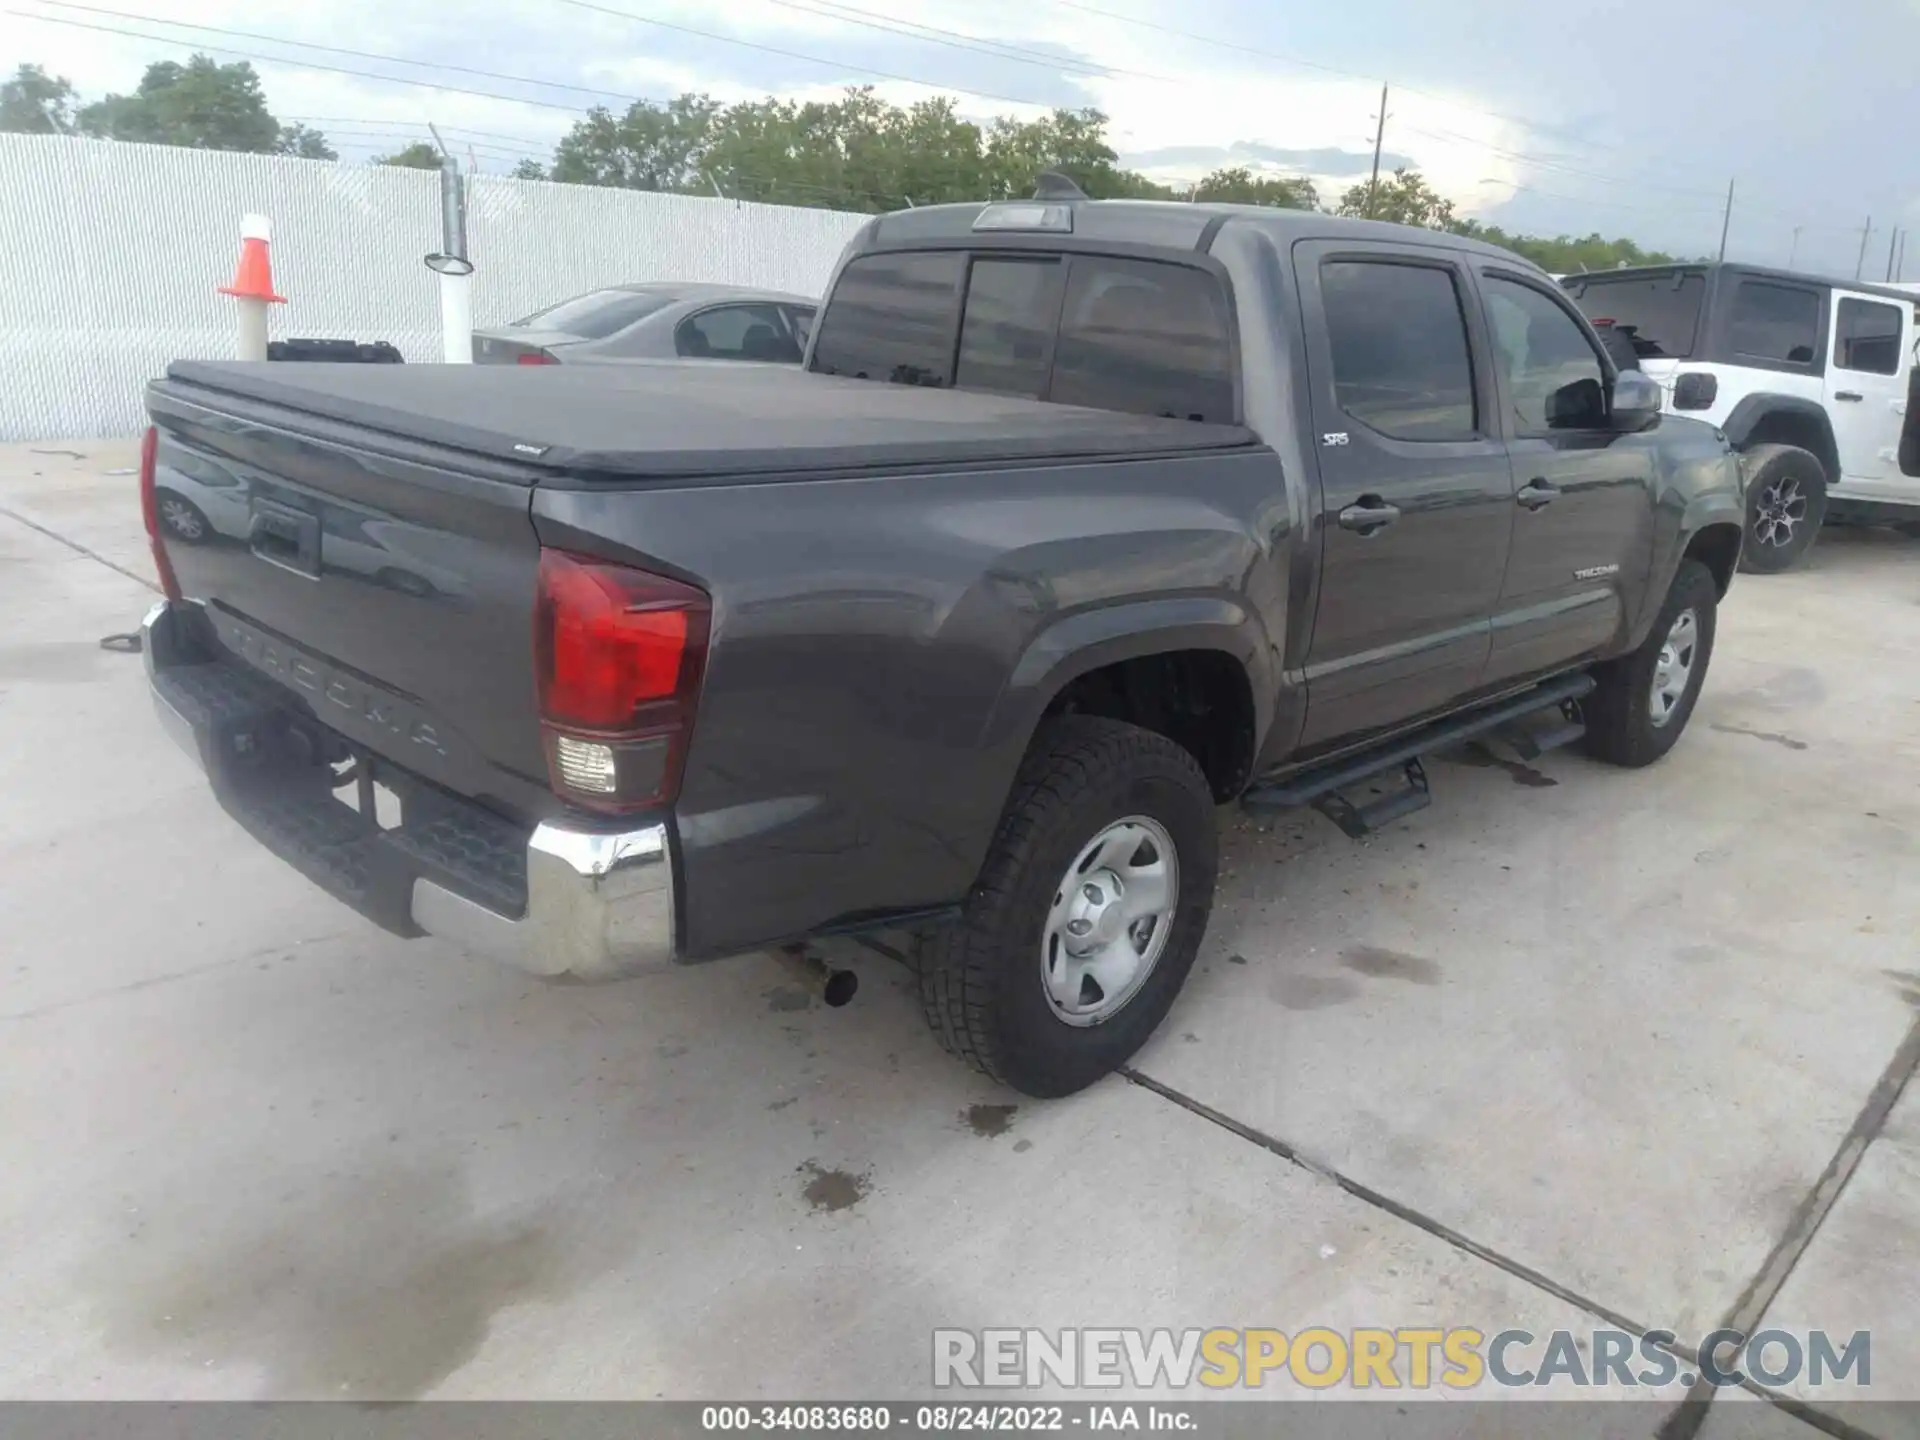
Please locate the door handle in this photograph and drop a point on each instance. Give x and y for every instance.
(1536, 493)
(1370, 514)
(1848, 395)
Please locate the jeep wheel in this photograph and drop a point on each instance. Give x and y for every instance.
(1641, 702)
(1786, 502)
(1087, 914)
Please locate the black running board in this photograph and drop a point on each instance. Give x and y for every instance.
(1322, 786)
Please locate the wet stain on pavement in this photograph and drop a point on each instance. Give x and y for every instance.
(1481, 758)
(1767, 735)
(787, 999)
(1020, 1147)
(1383, 964)
(1699, 954)
(989, 1121)
(782, 1104)
(1314, 992)
(833, 1190)
(373, 1287)
(1236, 959)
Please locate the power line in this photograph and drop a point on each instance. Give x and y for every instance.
(935, 34)
(333, 49)
(801, 55)
(300, 64)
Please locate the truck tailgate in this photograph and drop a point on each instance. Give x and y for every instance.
(394, 594)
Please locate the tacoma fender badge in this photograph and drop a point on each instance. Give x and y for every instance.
(531, 449)
(1334, 437)
(1594, 572)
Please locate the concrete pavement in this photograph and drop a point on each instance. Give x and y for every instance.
(1574, 1047)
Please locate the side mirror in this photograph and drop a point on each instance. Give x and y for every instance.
(1636, 402)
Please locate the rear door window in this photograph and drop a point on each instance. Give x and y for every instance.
(1401, 365)
(1144, 337)
(1866, 337)
(737, 332)
(1775, 322)
(892, 317)
(1006, 332)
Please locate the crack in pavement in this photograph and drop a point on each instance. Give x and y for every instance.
(1683, 1422)
(1751, 1305)
(279, 948)
(77, 548)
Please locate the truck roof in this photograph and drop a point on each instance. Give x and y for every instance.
(682, 419)
(1765, 272)
(1173, 224)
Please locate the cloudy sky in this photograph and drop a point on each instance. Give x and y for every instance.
(1627, 118)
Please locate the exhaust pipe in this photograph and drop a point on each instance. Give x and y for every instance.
(834, 987)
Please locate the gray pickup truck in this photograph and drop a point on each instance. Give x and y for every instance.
(1080, 520)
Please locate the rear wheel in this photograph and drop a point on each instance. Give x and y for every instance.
(1641, 702)
(1786, 502)
(1087, 914)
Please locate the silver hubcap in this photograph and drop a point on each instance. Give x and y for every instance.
(180, 519)
(1111, 915)
(1778, 511)
(1673, 671)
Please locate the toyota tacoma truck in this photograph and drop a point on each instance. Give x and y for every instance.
(1079, 520)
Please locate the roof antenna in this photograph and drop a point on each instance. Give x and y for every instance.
(1052, 185)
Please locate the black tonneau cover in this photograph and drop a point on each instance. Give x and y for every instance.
(687, 419)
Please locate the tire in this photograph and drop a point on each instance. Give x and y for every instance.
(1786, 504)
(984, 981)
(1623, 727)
(181, 518)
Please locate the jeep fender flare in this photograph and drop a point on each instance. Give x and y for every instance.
(1744, 426)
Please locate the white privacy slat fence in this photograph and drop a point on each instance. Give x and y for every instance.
(111, 256)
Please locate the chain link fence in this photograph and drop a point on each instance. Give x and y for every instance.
(111, 256)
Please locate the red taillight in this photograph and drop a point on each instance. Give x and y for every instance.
(620, 653)
(150, 512)
(534, 357)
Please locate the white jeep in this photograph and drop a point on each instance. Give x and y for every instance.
(1816, 382)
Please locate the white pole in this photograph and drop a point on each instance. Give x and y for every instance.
(253, 329)
(456, 318)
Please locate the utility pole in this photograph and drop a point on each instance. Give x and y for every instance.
(1379, 135)
(1726, 221)
(1861, 263)
(1900, 261)
(1892, 241)
(1794, 253)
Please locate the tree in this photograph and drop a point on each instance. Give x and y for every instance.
(1404, 198)
(36, 103)
(651, 147)
(305, 143)
(417, 156)
(1240, 186)
(529, 170)
(202, 104)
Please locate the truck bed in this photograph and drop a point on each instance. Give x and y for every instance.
(680, 420)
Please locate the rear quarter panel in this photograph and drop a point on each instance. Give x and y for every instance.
(883, 647)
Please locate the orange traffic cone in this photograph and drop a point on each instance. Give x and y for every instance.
(254, 279)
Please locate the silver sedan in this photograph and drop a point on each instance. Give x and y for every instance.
(653, 322)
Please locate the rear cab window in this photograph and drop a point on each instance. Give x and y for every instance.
(1144, 337)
